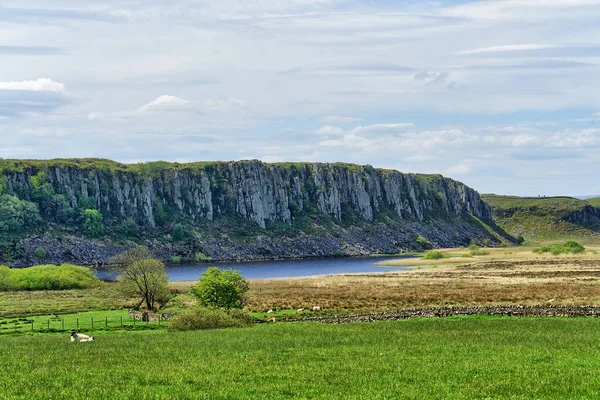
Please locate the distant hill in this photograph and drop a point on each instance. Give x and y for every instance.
(546, 217)
(594, 202)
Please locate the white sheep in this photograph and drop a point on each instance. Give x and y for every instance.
(79, 337)
(270, 312)
(316, 308)
(300, 310)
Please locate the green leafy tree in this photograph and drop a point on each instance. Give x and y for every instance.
(16, 215)
(92, 223)
(42, 192)
(128, 228)
(181, 233)
(146, 278)
(3, 184)
(221, 288)
(40, 254)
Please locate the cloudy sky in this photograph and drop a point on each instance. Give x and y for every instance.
(503, 95)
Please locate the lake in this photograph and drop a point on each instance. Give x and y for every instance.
(279, 269)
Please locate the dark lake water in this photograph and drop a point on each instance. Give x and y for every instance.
(279, 269)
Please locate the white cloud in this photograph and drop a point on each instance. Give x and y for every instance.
(330, 130)
(508, 47)
(164, 103)
(222, 105)
(39, 85)
(520, 9)
(378, 129)
(95, 116)
(459, 169)
(332, 119)
(597, 114)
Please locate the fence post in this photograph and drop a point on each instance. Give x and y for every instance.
(92, 323)
(106, 322)
(31, 324)
(63, 323)
(77, 323)
(48, 324)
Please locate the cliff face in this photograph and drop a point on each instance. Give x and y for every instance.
(256, 191)
(239, 210)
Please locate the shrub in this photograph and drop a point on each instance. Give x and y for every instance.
(473, 247)
(92, 223)
(433, 255)
(520, 239)
(568, 247)
(423, 242)
(175, 259)
(48, 277)
(128, 228)
(221, 288)
(40, 254)
(201, 257)
(339, 253)
(479, 252)
(209, 318)
(181, 233)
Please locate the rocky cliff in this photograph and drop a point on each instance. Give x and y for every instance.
(341, 199)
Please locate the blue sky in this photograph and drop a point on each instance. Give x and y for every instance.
(500, 94)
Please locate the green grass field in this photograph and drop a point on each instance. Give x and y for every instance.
(90, 322)
(456, 358)
(543, 217)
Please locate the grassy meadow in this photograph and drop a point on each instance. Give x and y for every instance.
(458, 358)
(544, 218)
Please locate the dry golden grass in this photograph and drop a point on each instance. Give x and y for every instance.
(522, 278)
(502, 253)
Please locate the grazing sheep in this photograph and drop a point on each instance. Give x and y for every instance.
(270, 312)
(316, 308)
(300, 310)
(78, 337)
(272, 319)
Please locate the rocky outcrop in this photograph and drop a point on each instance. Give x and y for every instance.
(331, 209)
(254, 190)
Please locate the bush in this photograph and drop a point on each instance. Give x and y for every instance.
(221, 288)
(479, 252)
(473, 247)
(47, 277)
(433, 255)
(209, 318)
(568, 247)
(181, 233)
(423, 242)
(201, 257)
(40, 254)
(520, 239)
(175, 259)
(92, 223)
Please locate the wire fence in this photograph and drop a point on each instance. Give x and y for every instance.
(87, 324)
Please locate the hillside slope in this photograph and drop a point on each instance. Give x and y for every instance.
(88, 209)
(545, 217)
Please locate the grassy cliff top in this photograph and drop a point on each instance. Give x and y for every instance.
(543, 217)
(594, 202)
(543, 205)
(153, 167)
